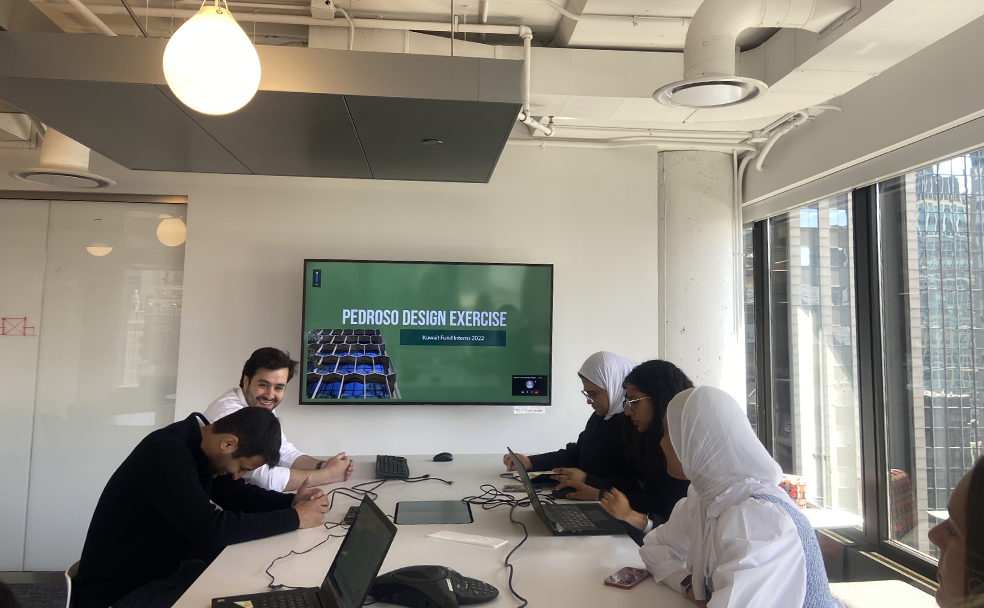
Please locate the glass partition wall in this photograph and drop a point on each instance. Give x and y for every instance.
(105, 324)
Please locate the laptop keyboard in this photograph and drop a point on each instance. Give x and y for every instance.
(570, 517)
(284, 600)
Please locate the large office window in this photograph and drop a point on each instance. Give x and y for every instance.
(868, 313)
(932, 227)
(749, 305)
(813, 356)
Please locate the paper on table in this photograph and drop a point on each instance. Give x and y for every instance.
(468, 539)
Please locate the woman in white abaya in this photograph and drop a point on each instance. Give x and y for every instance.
(737, 539)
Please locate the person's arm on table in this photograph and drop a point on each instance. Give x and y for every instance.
(665, 549)
(336, 468)
(176, 492)
(566, 457)
(284, 479)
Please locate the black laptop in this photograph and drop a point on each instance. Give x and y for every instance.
(569, 519)
(351, 573)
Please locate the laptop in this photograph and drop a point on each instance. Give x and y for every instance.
(351, 573)
(569, 519)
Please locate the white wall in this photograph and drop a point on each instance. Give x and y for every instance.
(592, 213)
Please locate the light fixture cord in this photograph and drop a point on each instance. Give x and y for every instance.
(136, 21)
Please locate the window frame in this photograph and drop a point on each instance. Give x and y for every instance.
(874, 535)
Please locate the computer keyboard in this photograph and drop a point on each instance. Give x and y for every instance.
(570, 517)
(391, 467)
(284, 600)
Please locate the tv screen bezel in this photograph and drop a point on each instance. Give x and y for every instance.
(302, 373)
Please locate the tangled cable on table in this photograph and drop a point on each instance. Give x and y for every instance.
(526, 535)
(492, 498)
(357, 492)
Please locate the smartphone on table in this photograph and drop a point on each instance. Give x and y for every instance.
(627, 578)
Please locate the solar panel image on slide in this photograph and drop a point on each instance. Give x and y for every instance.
(349, 364)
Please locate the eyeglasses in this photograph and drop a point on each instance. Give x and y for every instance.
(589, 396)
(627, 402)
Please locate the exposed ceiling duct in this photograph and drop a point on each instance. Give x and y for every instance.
(64, 164)
(710, 51)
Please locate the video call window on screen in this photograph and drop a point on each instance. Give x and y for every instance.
(427, 332)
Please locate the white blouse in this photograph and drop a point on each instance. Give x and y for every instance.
(753, 556)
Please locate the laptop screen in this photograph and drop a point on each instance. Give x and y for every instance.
(360, 556)
(530, 490)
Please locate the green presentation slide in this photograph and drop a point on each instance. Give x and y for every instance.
(427, 332)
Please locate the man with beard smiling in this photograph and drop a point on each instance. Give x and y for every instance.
(156, 525)
(264, 379)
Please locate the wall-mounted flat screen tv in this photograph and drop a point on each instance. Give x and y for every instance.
(426, 333)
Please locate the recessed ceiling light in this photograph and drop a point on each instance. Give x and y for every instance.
(432, 142)
(710, 92)
(64, 164)
(62, 178)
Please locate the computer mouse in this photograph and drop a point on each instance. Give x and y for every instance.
(444, 457)
(562, 492)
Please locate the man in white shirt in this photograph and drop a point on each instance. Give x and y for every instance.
(265, 376)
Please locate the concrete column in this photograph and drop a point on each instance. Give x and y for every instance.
(697, 265)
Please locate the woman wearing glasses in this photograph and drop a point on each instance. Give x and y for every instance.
(598, 452)
(648, 389)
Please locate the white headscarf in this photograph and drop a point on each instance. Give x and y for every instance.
(718, 450)
(608, 371)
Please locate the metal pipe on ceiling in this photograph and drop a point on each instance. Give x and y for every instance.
(378, 24)
(89, 16)
(261, 5)
(664, 144)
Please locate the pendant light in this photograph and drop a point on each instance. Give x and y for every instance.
(171, 232)
(210, 64)
(99, 250)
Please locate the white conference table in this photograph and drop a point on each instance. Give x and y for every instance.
(549, 570)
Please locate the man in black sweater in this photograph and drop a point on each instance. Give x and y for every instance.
(155, 526)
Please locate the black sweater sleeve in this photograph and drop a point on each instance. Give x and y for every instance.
(237, 495)
(567, 457)
(176, 493)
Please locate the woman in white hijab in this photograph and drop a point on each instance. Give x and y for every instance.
(598, 452)
(736, 539)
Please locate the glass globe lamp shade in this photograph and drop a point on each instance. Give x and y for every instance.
(99, 250)
(210, 64)
(171, 232)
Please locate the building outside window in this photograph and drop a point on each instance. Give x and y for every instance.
(749, 305)
(932, 227)
(813, 356)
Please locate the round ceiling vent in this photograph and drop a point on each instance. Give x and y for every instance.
(64, 164)
(62, 178)
(710, 92)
